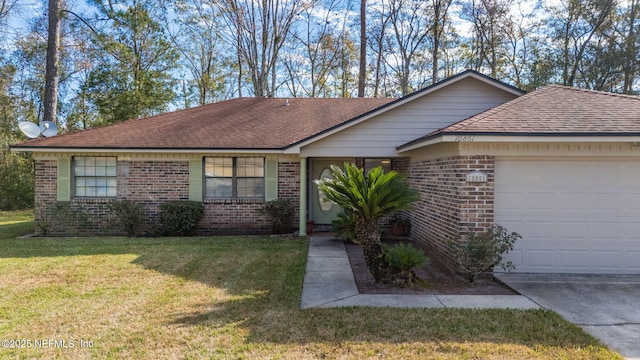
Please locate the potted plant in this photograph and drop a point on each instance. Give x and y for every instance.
(399, 225)
(310, 224)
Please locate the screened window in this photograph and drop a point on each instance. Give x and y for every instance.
(241, 177)
(95, 176)
(369, 164)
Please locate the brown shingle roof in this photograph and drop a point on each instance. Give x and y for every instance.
(243, 123)
(558, 110)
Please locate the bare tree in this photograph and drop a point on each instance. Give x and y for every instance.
(198, 37)
(260, 30)
(317, 46)
(575, 23)
(378, 44)
(439, 10)
(362, 71)
(599, 20)
(630, 29)
(6, 7)
(522, 44)
(53, 59)
(408, 21)
(492, 25)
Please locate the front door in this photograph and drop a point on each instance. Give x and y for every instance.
(322, 211)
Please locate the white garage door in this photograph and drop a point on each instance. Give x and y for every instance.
(574, 216)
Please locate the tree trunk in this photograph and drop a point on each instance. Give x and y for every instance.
(362, 74)
(578, 59)
(368, 235)
(53, 59)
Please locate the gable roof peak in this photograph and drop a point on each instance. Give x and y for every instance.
(550, 111)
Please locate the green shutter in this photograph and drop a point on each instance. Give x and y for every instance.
(271, 180)
(64, 179)
(195, 179)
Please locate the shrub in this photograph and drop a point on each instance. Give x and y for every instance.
(403, 258)
(280, 211)
(345, 227)
(61, 217)
(481, 252)
(128, 214)
(16, 180)
(180, 217)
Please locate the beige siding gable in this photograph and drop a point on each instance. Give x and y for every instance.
(380, 135)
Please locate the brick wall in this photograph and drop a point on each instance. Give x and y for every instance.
(232, 216)
(239, 216)
(46, 172)
(450, 207)
(151, 183)
(400, 164)
(289, 185)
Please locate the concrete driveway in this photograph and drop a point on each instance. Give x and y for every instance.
(607, 307)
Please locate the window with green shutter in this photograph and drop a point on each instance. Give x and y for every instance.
(64, 180)
(234, 177)
(271, 180)
(95, 176)
(195, 179)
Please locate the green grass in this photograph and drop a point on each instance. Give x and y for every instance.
(231, 297)
(16, 223)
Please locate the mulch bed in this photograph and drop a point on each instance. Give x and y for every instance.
(436, 279)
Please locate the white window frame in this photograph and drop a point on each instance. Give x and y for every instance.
(95, 176)
(234, 175)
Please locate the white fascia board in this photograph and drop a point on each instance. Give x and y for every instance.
(146, 151)
(542, 138)
(421, 144)
(467, 138)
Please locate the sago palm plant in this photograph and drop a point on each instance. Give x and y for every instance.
(367, 199)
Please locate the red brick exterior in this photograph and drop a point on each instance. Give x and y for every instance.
(241, 216)
(46, 186)
(450, 207)
(151, 183)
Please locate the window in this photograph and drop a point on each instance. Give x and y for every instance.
(227, 177)
(95, 176)
(369, 164)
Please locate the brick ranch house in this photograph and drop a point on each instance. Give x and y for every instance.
(560, 166)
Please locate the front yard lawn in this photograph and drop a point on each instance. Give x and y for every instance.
(230, 297)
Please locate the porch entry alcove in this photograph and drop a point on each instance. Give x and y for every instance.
(323, 212)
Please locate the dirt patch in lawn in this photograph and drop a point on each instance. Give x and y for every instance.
(436, 279)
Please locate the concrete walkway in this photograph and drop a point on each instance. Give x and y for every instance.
(329, 282)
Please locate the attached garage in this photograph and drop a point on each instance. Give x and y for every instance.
(560, 166)
(575, 216)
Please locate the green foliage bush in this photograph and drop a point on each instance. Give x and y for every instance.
(404, 256)
(128, 214)
(345, 227)
(367, 199)
(16, 181)
(280, 211)
(402, 259)
(482, 251)
(180, 217)
(61, 217)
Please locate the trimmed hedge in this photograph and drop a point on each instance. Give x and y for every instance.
(179, 218)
